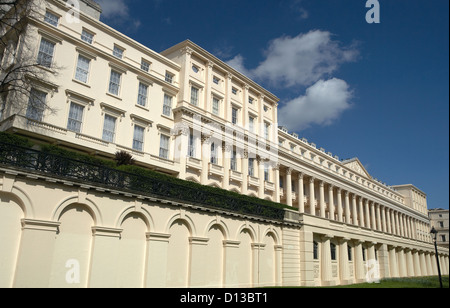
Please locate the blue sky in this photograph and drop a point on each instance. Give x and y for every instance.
(378, 92)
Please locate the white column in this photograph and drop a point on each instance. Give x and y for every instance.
(326, 260)
(339, 201)
(301, 201)
(367, 213)
(331, 202)
(354, 211)
(372, 216)
(361, 213)
(277, 183)
(383, 219)
(347, 208)
(289, 186)
(312, 206)
(322, 199)
(379, 228)
(343, 261)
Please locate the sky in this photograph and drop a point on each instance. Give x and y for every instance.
(375, 91)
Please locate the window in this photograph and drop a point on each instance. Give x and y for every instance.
(216, 80)
(82, 70)
(443, 239)
(87, 36)
(234, 90)
(251, 166)
(36, 105)
(216, 106)
(441, 224)
(333, 251)
(251, 124)
(114, 82)
(164, 147)
(266, 130)
(191, 147)
(266, 173)
(169, 77)
(234, 115)
(364, 253)
(118, 52)
(138, 138)
(145, 66)
(194, 96)
(195, 69)
(250, 100)
(142, 94)
(45, 55)
(167, 106)
(51, 18)
(233, 161)
(75, 117)
(109, 128)
(316, 250)
(213, 153)
(349, 252)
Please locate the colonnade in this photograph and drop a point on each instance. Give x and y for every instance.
(326, 200)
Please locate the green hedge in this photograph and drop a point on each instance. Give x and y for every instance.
(140, 171)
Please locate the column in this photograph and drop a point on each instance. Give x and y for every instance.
(326, 260)
(206, 156)
(397, 224)
(261, 178)
(331, 201)
(312, 206)
(322, 199)
(277, 183)
(378, 217)
(360, 274)
(366, 207)
(339, 201)
(209, 78)
(354, 211)
(361, 213)
(289, 186)
(388, 220)
(244, 164)
(227, 150)
(35, 255)
(347, 208)
(185, 77)
(383, 220)
(156, 261)
(301, 200)
(393, 262)
(372, 216)
(343, 261)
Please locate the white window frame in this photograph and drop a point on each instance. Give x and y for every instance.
(109, 131)
(51, 18)
(77, 120)
(112, 83)
(87, 36)
(164, 152)
(118, 51)
(82, 72)
(44, 58)
(142, 97)
(167, 108)
(138, 144)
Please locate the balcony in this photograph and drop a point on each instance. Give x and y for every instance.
(252, 181)
(269, 186)
(194, 163)
(215, 170)
(235, 176)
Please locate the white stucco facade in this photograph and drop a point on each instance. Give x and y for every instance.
(186, 113)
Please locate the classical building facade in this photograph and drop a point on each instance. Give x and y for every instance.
(185, 113)
(439, 220)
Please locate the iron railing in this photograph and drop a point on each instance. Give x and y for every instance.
(64, 168)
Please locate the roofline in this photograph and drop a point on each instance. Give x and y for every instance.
(206, 54)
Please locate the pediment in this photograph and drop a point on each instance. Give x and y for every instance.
(355, 165)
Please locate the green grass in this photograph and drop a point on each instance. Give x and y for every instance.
(399, 283)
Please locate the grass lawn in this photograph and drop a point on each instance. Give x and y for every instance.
(391, 283)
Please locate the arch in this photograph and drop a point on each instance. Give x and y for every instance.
(235, 190)
(221, 224)
(11, 214)
(73, 242)
(24, 201)
(250, 229)
(214, 185)
(132, 250)
(244, 267)
(214, 256)
(147, 218)
(178, 253)
(186, 219)
(91, 206)
(193, 179)
(275, 235)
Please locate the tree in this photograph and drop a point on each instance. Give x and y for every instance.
(19, 67)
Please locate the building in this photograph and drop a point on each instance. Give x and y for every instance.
(185, 113)
(439, 220)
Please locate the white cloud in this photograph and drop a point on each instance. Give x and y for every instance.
(322, 104)
(300, 60)
(114, 8)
